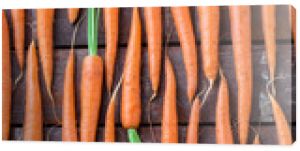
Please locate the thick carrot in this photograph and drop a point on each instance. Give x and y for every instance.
(69, 130)
(169, 128)
(6, 79)
(91, 82)
(45, 18)
(282, 127)
(154, 34)
(73, 14)
(131, 98)
(209, 17)
(256, 139)
(33, 122)
(241, 39)
(223, 126)
(193, 127)
(111, 17)
(18, 20)
(183, 23)
(268, 19)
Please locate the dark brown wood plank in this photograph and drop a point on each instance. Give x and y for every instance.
(206, 134)
(260, 102)
(63, 29)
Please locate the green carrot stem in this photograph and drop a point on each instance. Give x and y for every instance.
(133, 136)
(93, 31)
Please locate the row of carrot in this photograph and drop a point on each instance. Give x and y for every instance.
(92, 74)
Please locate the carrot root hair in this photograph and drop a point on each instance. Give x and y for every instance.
(18, 79)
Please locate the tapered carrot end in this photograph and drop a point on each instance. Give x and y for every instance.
(73, 15)
(256, 139)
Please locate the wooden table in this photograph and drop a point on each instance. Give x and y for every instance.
(261, 116)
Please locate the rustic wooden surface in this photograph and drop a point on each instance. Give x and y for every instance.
(261, 110)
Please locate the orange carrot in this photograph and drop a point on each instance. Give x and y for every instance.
(73, 14)
(192, 131)
(283, 130)
(131, 98)
(223, 126)
(91, 92)
(18, 20)
(209, 17)
(268, 19)
(6, 79)
(169, 128)
(240, 18)
(256, 139)
(183, 23)
(69, 130)
(154, 34)
(45, 18)
(33, 122)
(111, 17)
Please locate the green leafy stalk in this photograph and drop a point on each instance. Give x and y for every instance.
(133, 136)
(93, 16)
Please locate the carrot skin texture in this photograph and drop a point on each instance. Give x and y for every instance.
(45, 19)
(73, 14)
(223, 126)
(131, 99)
(209, 17)
(193, 127)
(6, 79)
(69, 130)
(282, 127)
(268, 19)
(111, 22)
(241, 39)
(18, 20)
(109, 133)
(91, 93)
(183, 24)
(169, 128)
(154, 34)
(33, 122)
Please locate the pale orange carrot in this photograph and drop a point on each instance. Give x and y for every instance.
(73, 14)
(256, 139)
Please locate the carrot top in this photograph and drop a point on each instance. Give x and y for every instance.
(133, 136)
(93, 17)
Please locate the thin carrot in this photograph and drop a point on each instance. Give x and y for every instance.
(131, 97)
(183, 23)
(6, 79)
(33, 122)
(268, 19)
(91, 82)
(282, 127)
(73, 14)
(18, 20)
(169, 128)
(209, 17)
(256, 139)
(240, 18)
(223, 126)
(193, 127)
(111, 17)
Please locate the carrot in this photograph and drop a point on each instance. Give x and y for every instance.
(69, 130)
(33, 122)
(223, 126)
(282, 127)
(154, 34)
(111, 17)
(256, 139)
(73, 14)
(183, 24)
(192, 131)
(45, 18)
(91, 83)
(6, 79)
(241, 40)
(131, 98)
(268, 18)
(169, 128)
(18, 20)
